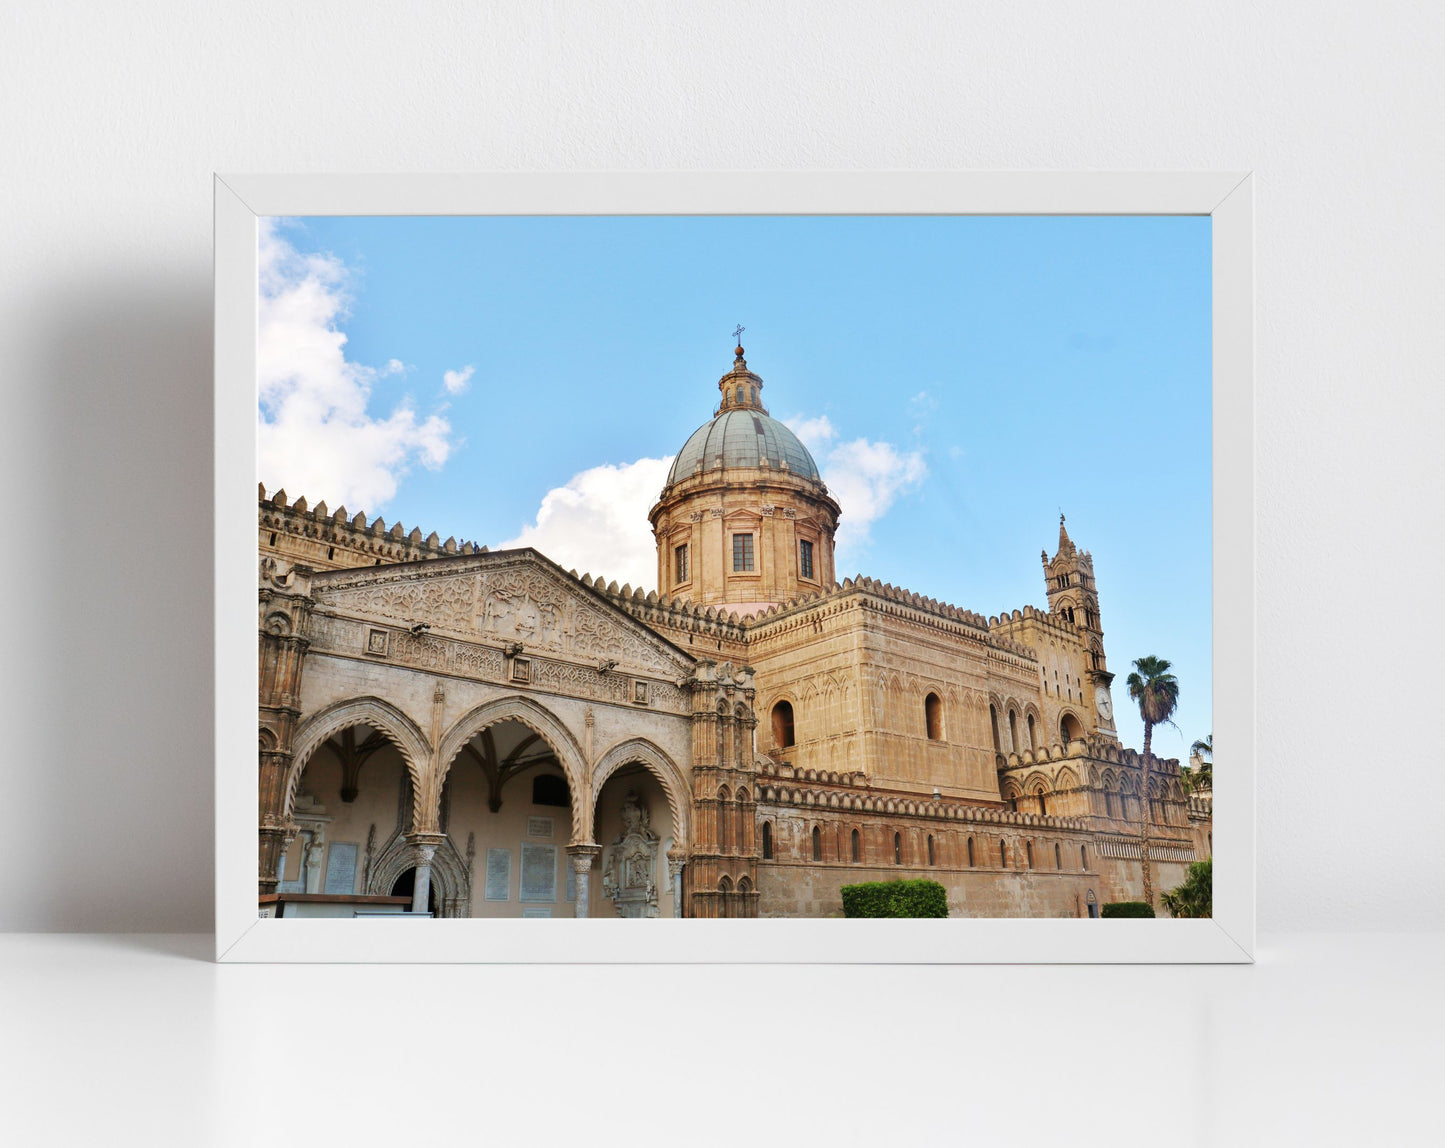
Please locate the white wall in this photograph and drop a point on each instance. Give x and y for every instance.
(112, 118)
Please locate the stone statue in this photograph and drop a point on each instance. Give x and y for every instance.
(629, 864)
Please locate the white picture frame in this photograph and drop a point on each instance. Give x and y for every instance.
(1227, 197)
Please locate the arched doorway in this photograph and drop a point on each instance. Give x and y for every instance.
(634, 824)
(350, 794)
(507, 807)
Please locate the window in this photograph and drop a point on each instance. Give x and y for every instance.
(855, 845)
(1029, 852)
(1083, 857)
(1003, 854)
(993, 725)
(817, 844)
(1033, 740)
(783, 725)
(549, 789)
(679, 557)
(930, 848)
(1013, 729)
(933, 717)
(767, 840)
(742, 552)
(970, 853)
(1058, 858)
(805, 559)
(740, 394)
(898, 849)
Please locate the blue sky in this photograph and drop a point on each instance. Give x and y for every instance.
(960, 380)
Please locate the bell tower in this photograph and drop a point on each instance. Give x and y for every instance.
(1074, 598)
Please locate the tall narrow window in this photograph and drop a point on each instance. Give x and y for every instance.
(993, 725)
(1003, 854)
(1013, 729)
(679, 555)
(805, 559)
(742, 551)
(855, 845)
(970, 853)
(783, 725)
(1029, 852)
(817, 844)
(898, 849)
(1058, 859)
(1083, 857)
(767, 840)
(933, 717)
(930, 848)
(1033, 739)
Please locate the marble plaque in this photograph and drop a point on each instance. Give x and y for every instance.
(539, 872)
(540, 826)
(341, 867)
(538, 912)
(499, 875)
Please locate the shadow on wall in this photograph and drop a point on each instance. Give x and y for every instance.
(114, 768)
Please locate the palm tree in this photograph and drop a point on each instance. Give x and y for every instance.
(1203, 749)
(1157, 692)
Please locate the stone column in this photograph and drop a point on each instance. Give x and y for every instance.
(421, 888)
(581, 858)
(675, 862)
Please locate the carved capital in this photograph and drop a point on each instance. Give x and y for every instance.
(582, 857)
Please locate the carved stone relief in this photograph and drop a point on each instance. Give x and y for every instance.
(629, 864)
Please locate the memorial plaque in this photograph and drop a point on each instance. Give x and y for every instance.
(540, 826)
(499, 875)
(536, 912)
(341, 867)
(539, 872)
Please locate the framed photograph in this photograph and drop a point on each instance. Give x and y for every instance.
(694, 514)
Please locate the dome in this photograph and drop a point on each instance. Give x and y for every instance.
(743, 438)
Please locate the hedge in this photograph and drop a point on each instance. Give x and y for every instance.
(920, 898)
(1126, 909)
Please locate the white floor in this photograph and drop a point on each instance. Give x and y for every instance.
(140, 1039)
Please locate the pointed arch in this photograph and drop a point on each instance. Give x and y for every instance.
(540, 721)
(661, 766)
(380, 715)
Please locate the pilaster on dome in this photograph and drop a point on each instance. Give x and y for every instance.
(741, 388)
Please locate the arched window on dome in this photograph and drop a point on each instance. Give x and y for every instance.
(783, 724)
(740, 394)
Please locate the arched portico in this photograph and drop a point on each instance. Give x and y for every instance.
(540, 721)
(380, 715)
(643, 820)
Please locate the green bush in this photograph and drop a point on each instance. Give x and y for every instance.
(1126, 909)
(1194, 898)
(919, 898)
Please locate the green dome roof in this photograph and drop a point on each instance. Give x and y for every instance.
(743, 438)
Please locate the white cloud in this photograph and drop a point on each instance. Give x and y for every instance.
(316, 435)
(597, 523)
(456, 381)
(865, 477)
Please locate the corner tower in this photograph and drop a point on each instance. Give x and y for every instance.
(745, 520)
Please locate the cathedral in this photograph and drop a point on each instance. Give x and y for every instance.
(457, 732)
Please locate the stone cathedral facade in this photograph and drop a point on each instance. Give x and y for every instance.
(449, 730)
